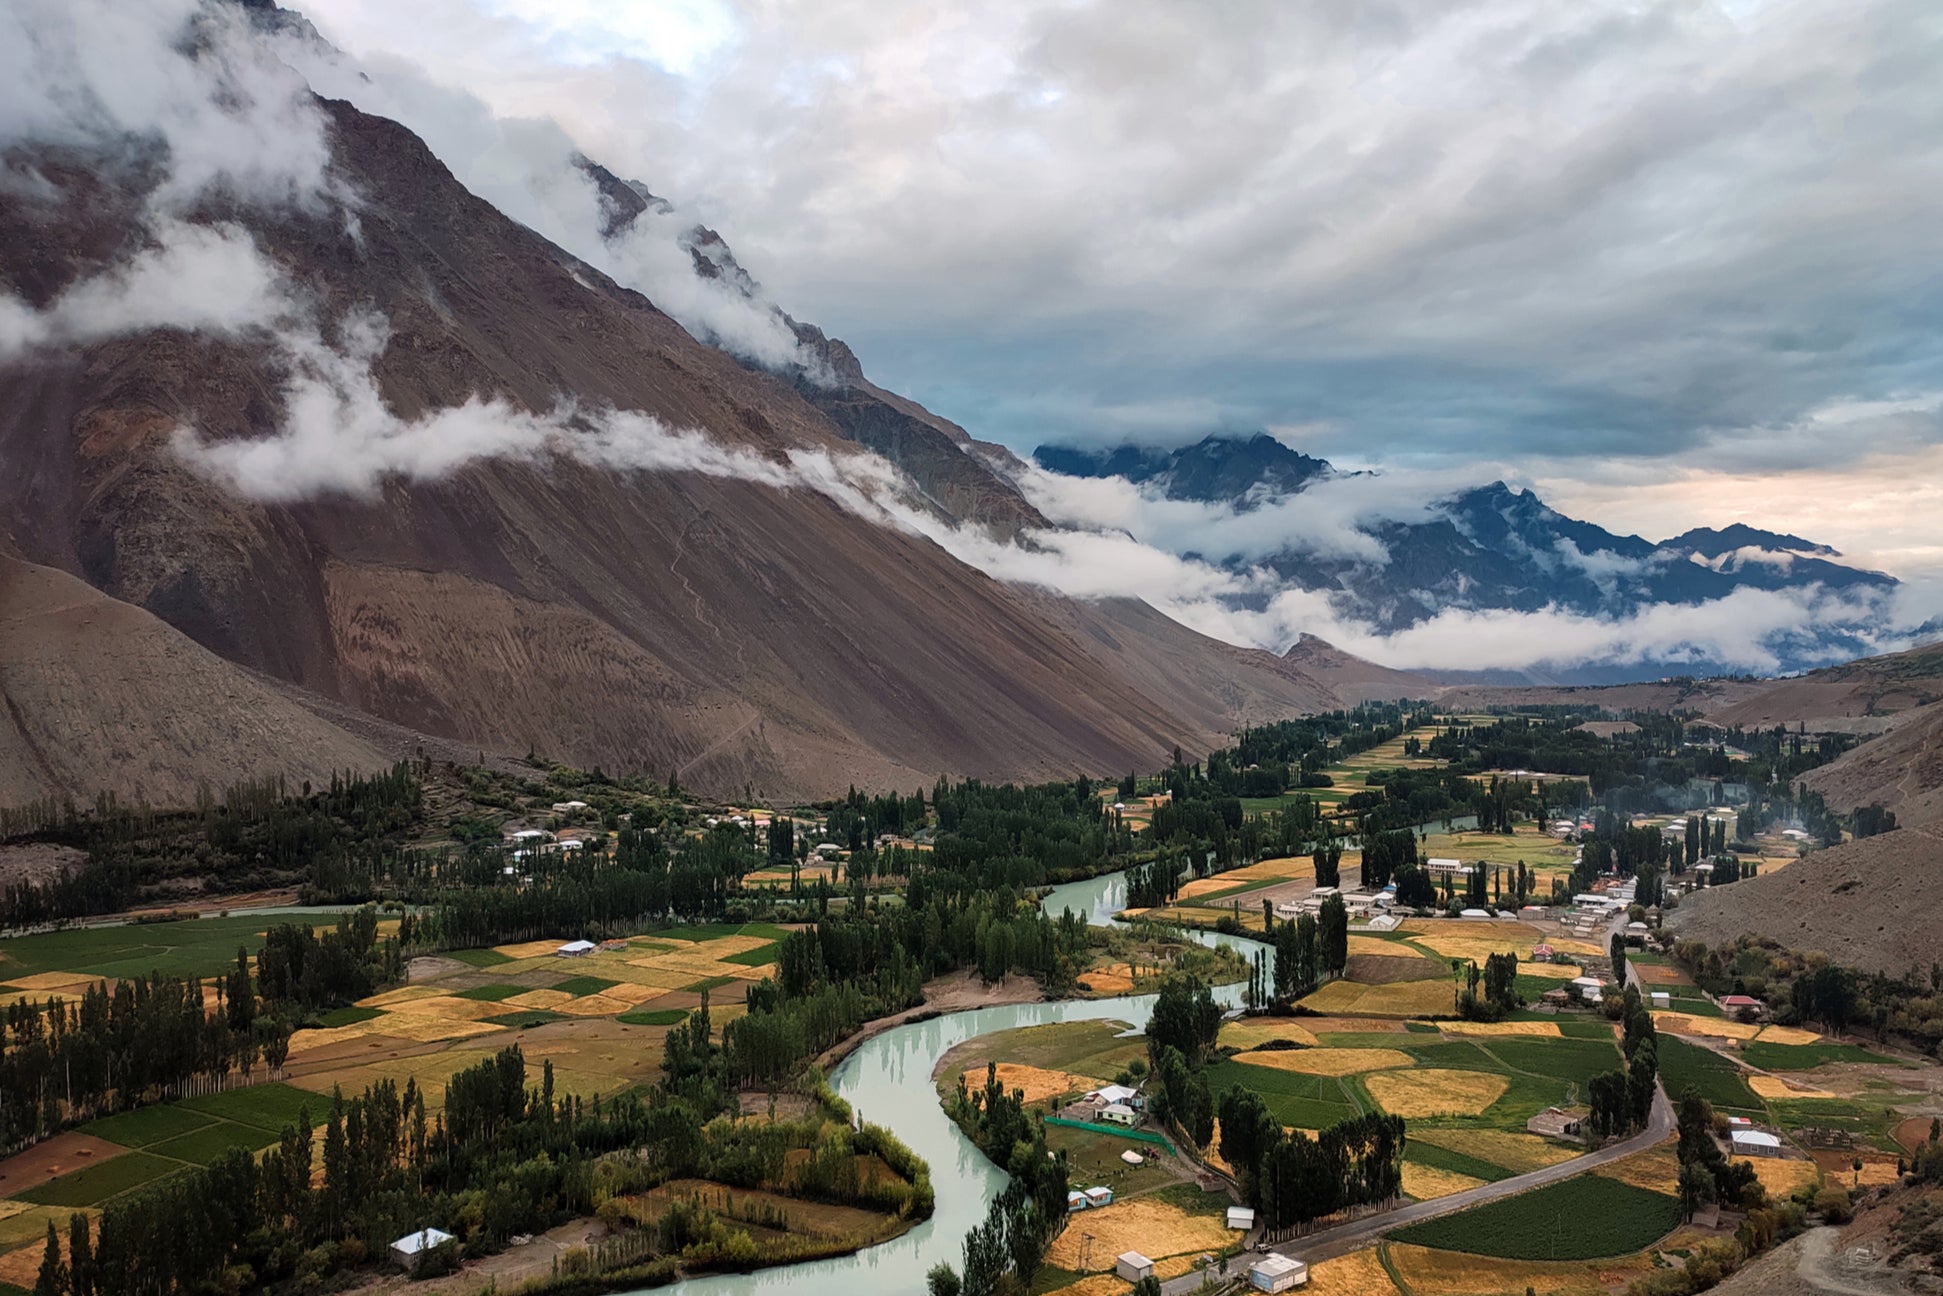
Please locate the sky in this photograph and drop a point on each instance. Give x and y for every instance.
(1669, 263)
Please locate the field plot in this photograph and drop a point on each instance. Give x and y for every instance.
(1089, 1051)
(1782, 1178)
(1433, 1092)
(1268, 872)
(1252, 1033)
(1657, 1169)
(1686, 1066)
(1425, 1182)
(1537, 848)
(1586, 1218)
(1548, 1030)
(1671, 1023)
(1517, 1153)
(1296, 1100)
(1767, 1086)
(1150, 1225)
(1327, 1061)
(1399, 999)
(190, 947)
(1093, 1158)
(1442, 1273)
(1360, 1273)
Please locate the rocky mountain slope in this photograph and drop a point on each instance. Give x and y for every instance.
(1488, 548)
(739, 626)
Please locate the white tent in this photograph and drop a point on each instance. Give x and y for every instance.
(573, 949)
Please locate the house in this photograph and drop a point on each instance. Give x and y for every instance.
(1637, 928)
(1097, 1197)
(1739, 1122)
(1474, 913)
(828, 850)
(1133, 1266)
(1543, 953)
(413, 1247)
(1108, 1094)
(1557, 1123)
(1740, 1003)
(1589, 987)
(532, 834)
(568, 807)
(575, 949)
(1444, 867)
(1241, 1218)
(1556, 997)
(1075, 1201)
(1277, 1273)
(1755, 1143)
(1385, 922)
(1119, 1114)
(1663, 1000)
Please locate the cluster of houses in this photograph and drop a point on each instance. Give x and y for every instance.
(1272, 1272)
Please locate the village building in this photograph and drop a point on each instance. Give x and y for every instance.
(1277, 1273)
(1133, 1266)
(576, 949)
(1241, 1218)
(1755, 1143)
(1119, 1114)
(1558, 1123)
(411, 1250)
(1097, 1197)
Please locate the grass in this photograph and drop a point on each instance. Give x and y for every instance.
(98, 1183)
(528, 1017)
(348, 1016)
(191, 947)
(1571, 1060)
(655, 1017)
(146, 1126)
(713, 931)
(709, 983)
(1577, 1219)
(582, 986)
(1686, 1066)
(1585, 1028)
(1094, 1158)
(479, 958)
(1456, 1162)
(1806, 1057)
(1304, 1101)
(204, 1146)
(270, 1106)
(756, 957)
(496, 993)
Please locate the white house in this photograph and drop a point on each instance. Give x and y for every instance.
(411, 1248)
(568, 807)
(1444, 867)
(1114, 1093)
(1119, 1114)
(1756, 1143)
(574, 949)
(1097, 1197)
(1663, 1000)
(1277, 1273)
(1133, 1266)
(1241, 1218)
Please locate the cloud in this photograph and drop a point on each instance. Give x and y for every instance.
(528, 169)
(184, 76)
(191, 277)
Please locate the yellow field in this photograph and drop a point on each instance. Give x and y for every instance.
(1551, 971)
(1153, 1228)
(1328, 1061)
(1787, 1035)
(1657, 1170)
(1107, 1284)
(1359, 1273)
(1037, 1082)
(1450, 1273)
(529, 949)
(1548, 1029)
(1768, 1086)
(1435, 1092)
(1426, 1182)
(1475, 940)
(1515, 1152)
(1378, 946)
(1114, 978)
(1399, 999)
(1660, 974)
(1718, 1027)
(1254, 1032)
(1273, 870)
(1781, 1178)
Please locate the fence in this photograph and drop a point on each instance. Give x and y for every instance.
(1142, 1136)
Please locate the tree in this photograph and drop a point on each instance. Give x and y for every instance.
(1328, 861)
(943, 1279)
(1334, 925)
(1618, 949)
(53, 1274)
(1696, 1187)
(1185, 1018)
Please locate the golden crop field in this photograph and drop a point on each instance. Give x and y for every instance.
(1398, 999)
(1378, 946)
(1475, 940)
(1288, 869)
(1152, 1227)
(1360, 1273)
(1551, 971)
(1719, 1027)
(1435, 1092)
(1768, 1086)
(1547, 1029)
(1252, 1033)
(1449, 1273)
(1657, 1170)
(1515, 1152)
(1037, 1082)
(1660, 974)
(1787, 1035)
(1427, 1182)
(1781, 1178)
(1328, 1061)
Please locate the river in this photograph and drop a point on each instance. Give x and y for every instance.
(888, 1081)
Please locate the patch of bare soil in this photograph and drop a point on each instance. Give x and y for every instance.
(1386, 969)
(52, 1158)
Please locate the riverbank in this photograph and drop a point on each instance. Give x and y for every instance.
(959, 992)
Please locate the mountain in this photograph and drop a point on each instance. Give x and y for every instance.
(1224, 468)
(724, 618)
(1492, 548)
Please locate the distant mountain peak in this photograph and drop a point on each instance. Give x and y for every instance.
(1714, 543)
(1240, 469)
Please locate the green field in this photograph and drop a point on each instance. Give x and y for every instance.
(349, 1016)
(191, 947)
(479, 958)
(1686, 1066)
(1806, 1057)
(97, 1183)
(582, 986)
(1303, 1101)
(498, 993)
(1585, 1218)
(528, 1017)
(1084, 1048)
(1538, 849)
(756, 957)
(655, 1017)
(202, 1147)
(1093, 1158)
(1456, 1162)
(1562, 1059)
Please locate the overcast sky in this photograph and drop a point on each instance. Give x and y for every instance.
(1671, 263)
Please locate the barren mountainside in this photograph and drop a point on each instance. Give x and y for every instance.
(736, 634)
